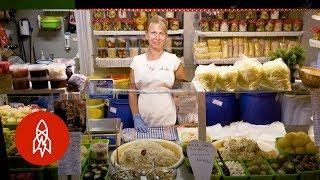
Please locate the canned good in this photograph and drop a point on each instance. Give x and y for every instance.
(102, 52)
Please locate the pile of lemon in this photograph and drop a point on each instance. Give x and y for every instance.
(297, 143)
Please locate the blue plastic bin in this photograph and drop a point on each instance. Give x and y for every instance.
(119, 108)
(260, 108)
(221, 108)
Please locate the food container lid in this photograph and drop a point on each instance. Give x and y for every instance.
(37, 67)
(55, 66)
(59, 78)
(4, 67)
(39, 78)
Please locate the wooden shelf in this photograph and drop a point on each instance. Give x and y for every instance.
(248, 34)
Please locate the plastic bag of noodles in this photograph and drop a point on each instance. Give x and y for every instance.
(249, 73)
(207, 76)
(276, 75)
(227, 77)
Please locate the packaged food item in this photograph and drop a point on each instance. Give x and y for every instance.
(215, 25)
(227, 77)
(112, 14)
(274, 46)
(257, 49)
(235, 45)
(121, 42)
(264, 15)
(38, 70)
(6, 82)
(127, 24)
(178, 52)
(241, 46)
(102, 52)
(215, 55)
(122, 14)
(21, 83)
(207, 76)
(284, 15)
(170, 14)
(224, 44)
(201, 50)
(101, 42)
(262, 43)
(112, 52)
(77, 83)
(278, 25)
(274, 14)
(213, 42)
(111, 42)
(59, 82)
(122, 53)
(97, 25)
(106, 25)
(287, 25)
(56, 71)
(214, 48)
(251, 15)
(251, 49)
(40, 83)
(18, 70)
(133, 41)
(117, 24)
(134, 51)
(143, 42)
(220, 15)
(230, 48)
(269, 26)
(283, 45)
(98, 14)
(243, 26)
(234, 27)
(200, 44)
(260, 25)
(224, 26)
(174, 24)
(203, 56)
(297, 25)
(246, 47)
(267, 48)
(177, 41)
(204, 25)
(252, 26)
(168, 42)
(231, 15)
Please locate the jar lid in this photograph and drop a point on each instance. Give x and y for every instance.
(37, 67)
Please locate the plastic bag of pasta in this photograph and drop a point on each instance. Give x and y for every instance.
(207, 76)
(276, 75)
(249, 73)
(227, 77)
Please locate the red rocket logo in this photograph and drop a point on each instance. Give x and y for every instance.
(42, 142)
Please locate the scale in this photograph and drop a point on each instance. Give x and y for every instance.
(106, 128)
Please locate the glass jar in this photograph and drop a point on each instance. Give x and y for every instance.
(102, 52)
(284, 15)
(269, 26)
(111, 42)
(112, 14)
(274, 14)
(264, 15)
(101, 42)
(127, 24)
(247, 15)
(215, 25)
(19, 70)
(204, 25)
(97, 25)
(287, 25)
(224, 26)
(106, 25)
(121, 42)
(260, 25)
(297, 25)
(38, 70)
(177, 41)
(21, 83)
(98, 14)
(174, 24)
(178, 52)
(122, 53)
(252, 26)
(143, 42)
(122, 14)
(231, 15)
(251, 15)
(117, 24)
(243, 26)
(278, 25)
(133, 41)
(170, 14)
(112, 52)
(234, 26)
(220, 15)
(57, 70)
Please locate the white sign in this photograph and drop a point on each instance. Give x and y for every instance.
(315, 101)
(200, 155)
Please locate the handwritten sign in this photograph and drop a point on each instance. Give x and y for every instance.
(69, 164)
(187, 108)
(315, 101)
(200, 155)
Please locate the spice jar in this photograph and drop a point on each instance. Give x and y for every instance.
(231, 15)
(269, 26)
(105, 23)
(122, 14)
(98, 14)
(111, 42)
(178, 52)
(224, 26)
(143, 42)
(287, 25)
(177, 41)
(297, 25)
(174, 24)
(127, 24)
(112, 14)
(101, 42)
(122, 52)
(18, 70)
(278, 25)
(97, 25)
(220, 15)
(260, 25)
(214, 25)
(117, 24)
(264, 15)
(242, 25)
(170, 14)
(133, 41)
(102, 52)
(112, 52)
(121, 42)
(274, 14)
(252, 25)
(204, 25)
(234, 26)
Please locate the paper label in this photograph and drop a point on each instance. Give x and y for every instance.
(113, 110)
(217, 102)
(315, 101)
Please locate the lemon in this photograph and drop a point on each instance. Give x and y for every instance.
(94, 113)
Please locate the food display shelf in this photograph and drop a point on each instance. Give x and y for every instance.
(316, 17)
(37, 91)
(115, 33)
(221, 61)
(314, 43)
(248, 34)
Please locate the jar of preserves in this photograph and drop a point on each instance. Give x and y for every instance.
(274, 14)
(112, 14)
(111, 42)
(122, 53)
(287, 25)
(117, 24)
(106, 25)
(112, 52)
(297, 25)
(143, 42)
(242, 25)
(98, 14)
(101, 42)
(177, 41)
(127, 24)
(102, 52)
(121, 42)
(170, 14)
(252, 26)
(19, 70)
(174, 24)
(122, 14)
(97, 25)
(220, 15)
(133, 41)
(234, 27)
(215, 25)
(269, 26)
(278, 25)
(204, 25)
(224, 26)
(264, 15)
(178, 52)
(260, 25)
(38, 70)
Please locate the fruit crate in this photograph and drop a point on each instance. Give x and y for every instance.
(309, 175)
(294, 176)
(85, 162)
(245, 177)
(213, 176)
(269, 176)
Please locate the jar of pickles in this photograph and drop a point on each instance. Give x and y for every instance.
(143, 42)
(106, 25)
(278, 25)
(297, 25)
(102, 52)
(98, 14)
(101, 42)
(264, 15)
(215, 25)
(97, 25)
(224, 26)
(121, 42)
(234, 26)
(122, 53)
(112, 14)
(242, 25)
(204, 25)
(111, 42)
(287, 25)
(112, 52)
(177, 41)
(174, 24)
(260, 25)
(127, 24)
(274, 14)
(117, 24)
(270, 25)
(252, 25)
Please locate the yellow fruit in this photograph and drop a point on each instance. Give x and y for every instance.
(279, 143)
(289, 150)
(290, 136)
(311, 148)
(300, 150)
(94, 113)
(299, 141)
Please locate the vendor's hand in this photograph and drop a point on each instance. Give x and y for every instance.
(139, 124)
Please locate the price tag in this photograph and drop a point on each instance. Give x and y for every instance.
(113, 110)
(315, 101)
(201, 155)
(217, 102)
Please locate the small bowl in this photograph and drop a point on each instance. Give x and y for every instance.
(310, 76)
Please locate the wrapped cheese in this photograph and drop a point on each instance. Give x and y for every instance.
(207, 76)
(227, 77)
(214, 42)
(202, 56)
(224, 44)
(214, 48)
(251, 49)
(235, 45)
(214, 55)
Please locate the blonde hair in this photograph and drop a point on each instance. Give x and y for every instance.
(158, 20)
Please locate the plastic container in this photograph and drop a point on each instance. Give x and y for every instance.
(40, 83)
(221, 108)
(309, 175)
(38, 70)
(294, 176)
(177, 41)
(19, 70)
(112, 52)
(59, 82)
(245, 177)
(102, 52)
(260, 108)
(57, 71)
(119, 108)
(21, 83)
(4, 67)
(95, 108)
(178, 52)
(269, 176)
(50, 22)
(110, 42)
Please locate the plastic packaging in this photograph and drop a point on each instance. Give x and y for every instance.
(252, 26)
(56, 71)
(204, 25)
(122, 14)
(224, 48)
(207, 76)
(274, 46)
(227, 77)
(220, 15)
(38, 70)
(235, 47)
(134, 51)
(170, 14)
(102, 52)
(6, 82)
(250, 49)
(19, 70)
(257, 49)
(112, 52)
(110, 42)
(117, 24)
(101, 42)
(264, 15)
(21, 83)
(143, 42)
(98, 14)
(77, 83)
(127, 24)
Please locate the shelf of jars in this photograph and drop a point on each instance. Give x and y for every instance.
(132, 33)
(316, 17)
(221, 61)
(314, 43)
(248, 34)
